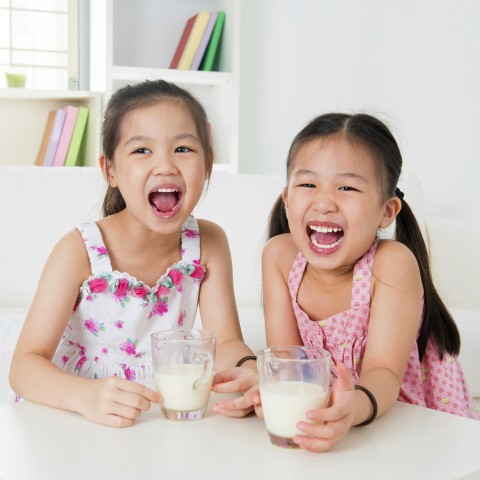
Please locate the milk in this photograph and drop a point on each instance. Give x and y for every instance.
(285, 404)
(176, 385)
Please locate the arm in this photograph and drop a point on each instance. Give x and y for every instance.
(32, 374)
(218, 312)
(395, 314)
(280, 322)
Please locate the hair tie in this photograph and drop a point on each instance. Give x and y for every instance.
(399, 193)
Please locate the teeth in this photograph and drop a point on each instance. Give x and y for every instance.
(166, 190)
(317, 228)
(319, 245)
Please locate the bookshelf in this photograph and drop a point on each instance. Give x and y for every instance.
(154, 28)
(23, 114)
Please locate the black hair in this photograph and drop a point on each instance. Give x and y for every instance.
(374, 135)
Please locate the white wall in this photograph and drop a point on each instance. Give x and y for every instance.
(414, 63)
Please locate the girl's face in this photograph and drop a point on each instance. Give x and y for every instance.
(334, 202)
(159, 165)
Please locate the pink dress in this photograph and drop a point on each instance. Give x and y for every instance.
(432, 383)
(108, 333)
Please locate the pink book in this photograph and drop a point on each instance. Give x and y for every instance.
(54, 137)
(66, 135)
(204, 41)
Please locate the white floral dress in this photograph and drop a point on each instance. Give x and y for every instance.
(108, 333)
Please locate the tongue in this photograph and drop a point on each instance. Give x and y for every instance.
(326, 238)
(164, 201)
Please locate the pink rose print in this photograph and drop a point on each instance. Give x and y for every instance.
(140, 291)
(93, 326)
(80, 363)
(162, 291)
(101, 250)
(104, 350)
(129, 347)
(176, 276)
(198, 272)
(191, 233)
(129, 373)
(181, 317)
(64, 359)
(121, 290)
(98, 285)
(119, 323)
(159, 308)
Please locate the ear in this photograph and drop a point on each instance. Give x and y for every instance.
(284, 195)
(108, 171)
(391, 210)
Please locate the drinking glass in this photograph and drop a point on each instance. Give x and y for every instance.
(184, 366)
(292, 380)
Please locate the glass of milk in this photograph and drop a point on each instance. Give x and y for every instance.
(184, 366)
(292, 381)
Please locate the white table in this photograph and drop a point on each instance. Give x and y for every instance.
(38, 442)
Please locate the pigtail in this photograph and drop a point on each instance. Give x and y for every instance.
(437, 320)
(113, 201)
(278, 222)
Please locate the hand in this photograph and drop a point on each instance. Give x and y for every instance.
(253, 396)
(235, 380)
(336, 420)
(116, 402)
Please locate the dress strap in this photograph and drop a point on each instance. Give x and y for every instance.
(362, 276)
(295, 276)
(190, 241)
(97, 252)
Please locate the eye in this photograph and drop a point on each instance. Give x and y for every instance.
(142, 150)
(307, 185)
(348, 189)
(183, 150)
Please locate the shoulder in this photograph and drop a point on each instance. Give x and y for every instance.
(210, 232)
(280, 251)
(396, 265)
(213, 240)
(70, 252)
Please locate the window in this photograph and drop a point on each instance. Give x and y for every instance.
(39, 39)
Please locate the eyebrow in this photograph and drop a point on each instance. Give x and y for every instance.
(180, 136)
(341, 175)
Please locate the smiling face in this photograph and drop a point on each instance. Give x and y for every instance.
(334, 202)
(159, 165)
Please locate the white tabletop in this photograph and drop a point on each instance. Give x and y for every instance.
(38, 442)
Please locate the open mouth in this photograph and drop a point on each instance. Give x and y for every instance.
(165, 200)
(325, 237)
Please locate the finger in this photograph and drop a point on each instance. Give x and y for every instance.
(344, 379)
(132, 400)
(138, 389)
(236, 385)
(313, 444)
(232, 404)
(225, 376)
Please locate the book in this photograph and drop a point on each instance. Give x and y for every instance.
(211, 53)
(193, 40)
(204, 41)
(65, 136)
(183, 40)
(73, 155)
(47, 132)
(55, 136)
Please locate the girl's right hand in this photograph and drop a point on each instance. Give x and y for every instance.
(116, 402)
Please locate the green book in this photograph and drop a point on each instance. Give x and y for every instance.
(73, 155)
(211, 53)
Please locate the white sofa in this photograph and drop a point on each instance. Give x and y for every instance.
(40, 204)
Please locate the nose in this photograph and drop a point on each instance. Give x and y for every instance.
(164, 163)
(324, 202)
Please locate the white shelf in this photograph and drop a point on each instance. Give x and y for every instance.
(23, 114)
(191, 77)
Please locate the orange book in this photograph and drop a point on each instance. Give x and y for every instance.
(47, 132)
